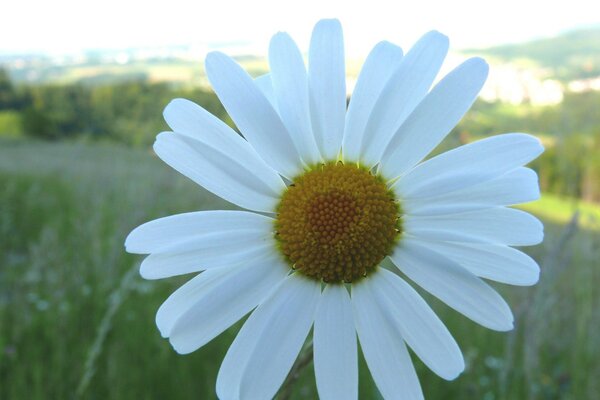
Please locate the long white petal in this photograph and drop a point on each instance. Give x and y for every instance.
(265, 85)
(454, 285)
(187, 295)
(213, 250)
(264, 350)
(218, 171)
(403, 91)
(290, 86)
(470, 164)
(434, 117)
(327, 86)
(419, 326)
(253, 114)
(334, 338)
(383, 347)
(491, 261)
(498, 225)
(167, 231)
(226, 302)
(189, 119)
(517, 186)
(381, 62)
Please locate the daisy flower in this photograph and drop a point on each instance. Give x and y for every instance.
(331, 191)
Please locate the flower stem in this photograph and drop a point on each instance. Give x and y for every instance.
(305, 358)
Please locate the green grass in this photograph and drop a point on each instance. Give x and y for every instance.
(65, 210)
(559, 209)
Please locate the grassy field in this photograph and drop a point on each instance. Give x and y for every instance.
(76, 321)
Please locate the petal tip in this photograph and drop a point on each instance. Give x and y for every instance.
(438, 37)
(146, 273)
(332, 22)
(180, 348)
(479, 64)
(213, 58)
(455, 372)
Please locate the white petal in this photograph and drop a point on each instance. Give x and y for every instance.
(383, 60)
(470, 164)
(290, 85)
(403, 91)
(383, 347)
(212, 250)
(498, 225)
(265, 85)
(334, 338)
(264, 350)
(186, 296)
(419, 326)
(434, 117)
(454, 285)
(327, 86)
(167, 231)
(224, 303)
(517, 186)
(218, 171)
(253, 114)
(189, 119)
(491, 261)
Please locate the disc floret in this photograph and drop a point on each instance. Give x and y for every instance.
(337, 222)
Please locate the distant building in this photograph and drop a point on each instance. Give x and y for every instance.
(516, 85)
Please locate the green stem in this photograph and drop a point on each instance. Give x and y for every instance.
(305, 358)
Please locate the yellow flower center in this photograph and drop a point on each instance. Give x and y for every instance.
(337, 222)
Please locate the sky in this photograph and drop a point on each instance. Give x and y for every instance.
(68, 26)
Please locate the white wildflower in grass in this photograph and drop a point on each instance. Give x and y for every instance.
(331, 192)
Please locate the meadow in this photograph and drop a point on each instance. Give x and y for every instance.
(77, 321)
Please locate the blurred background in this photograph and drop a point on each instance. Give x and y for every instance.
(82, 88)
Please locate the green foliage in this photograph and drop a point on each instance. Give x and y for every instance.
(10, 124)
(65, 210)
(129, 112)
(571, 163)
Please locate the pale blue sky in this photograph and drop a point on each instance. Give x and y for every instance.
(59, 26)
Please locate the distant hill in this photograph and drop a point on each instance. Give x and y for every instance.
(571, 55)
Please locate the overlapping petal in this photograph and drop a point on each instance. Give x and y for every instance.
(433, 118)
(420, 328)
(290, 87)
(221, 171)
(469, 165)
(499, 225)
(383, 347)
(164, 232)
(264, 350)
(380, 64)
(209, 311)
(212, 301)
(517, 186)
(402, 93)
(454, 285)
(253, 114)
(212, 250)
(491, 261)
(265, 85)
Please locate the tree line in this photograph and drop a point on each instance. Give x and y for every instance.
(131, 112)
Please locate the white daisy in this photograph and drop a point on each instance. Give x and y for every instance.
(331, 191)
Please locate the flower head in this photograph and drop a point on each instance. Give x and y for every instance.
(331, 191)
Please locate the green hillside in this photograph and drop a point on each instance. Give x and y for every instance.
(572, 55)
